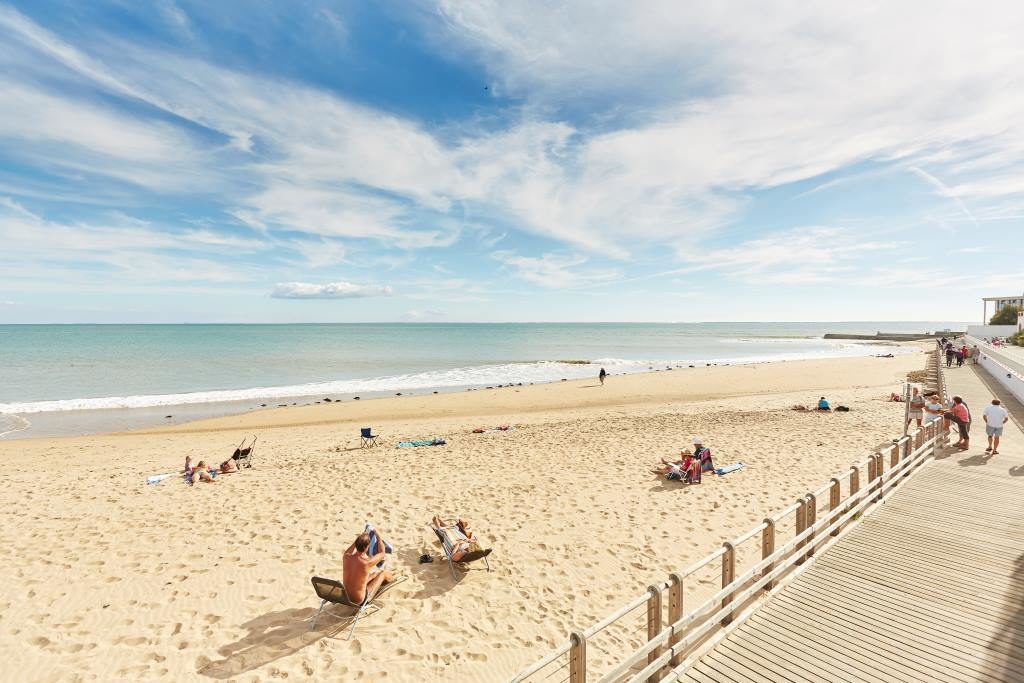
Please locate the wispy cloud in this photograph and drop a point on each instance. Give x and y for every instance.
(555, 271)
(330, 290)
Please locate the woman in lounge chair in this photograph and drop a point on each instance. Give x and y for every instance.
(459, 535)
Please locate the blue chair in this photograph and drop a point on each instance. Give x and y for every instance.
(367, 438)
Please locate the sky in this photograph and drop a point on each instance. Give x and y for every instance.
(314, 161)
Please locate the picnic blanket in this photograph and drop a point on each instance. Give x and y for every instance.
(421, 442)
(730, 468)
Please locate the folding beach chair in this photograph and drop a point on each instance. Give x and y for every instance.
(367, 438)
(331, 591)
(449, 550)
(243, 454)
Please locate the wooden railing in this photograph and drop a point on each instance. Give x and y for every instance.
(673, 637)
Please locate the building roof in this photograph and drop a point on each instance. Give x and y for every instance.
(1000, 298)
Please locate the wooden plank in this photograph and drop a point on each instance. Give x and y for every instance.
(759, 661)
(743, 669)
(840, 655)
(849, 646)
(916, 615)
(805, 661)
(923, 646)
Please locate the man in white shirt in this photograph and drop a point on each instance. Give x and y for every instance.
(995, 417)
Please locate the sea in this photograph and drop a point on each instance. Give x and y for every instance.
(76, 379)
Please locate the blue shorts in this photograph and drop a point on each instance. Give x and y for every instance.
(994, 431)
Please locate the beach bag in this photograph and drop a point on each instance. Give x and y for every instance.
(842, 409)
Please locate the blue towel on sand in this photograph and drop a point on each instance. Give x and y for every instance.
(422, 442)
(374, 542)
(730, 468)
(157, 478)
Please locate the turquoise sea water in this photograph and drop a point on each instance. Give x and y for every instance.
(57, 368)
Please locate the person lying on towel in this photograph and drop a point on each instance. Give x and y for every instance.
(361, 578)
(459, 536)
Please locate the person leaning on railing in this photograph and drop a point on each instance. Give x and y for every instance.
(960, 414)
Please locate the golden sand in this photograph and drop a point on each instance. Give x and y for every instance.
(103, 577)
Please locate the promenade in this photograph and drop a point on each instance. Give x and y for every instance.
(930, 587)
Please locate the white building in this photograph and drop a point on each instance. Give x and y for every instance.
(1000, 301)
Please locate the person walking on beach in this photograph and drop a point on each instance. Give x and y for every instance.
(949, 355)
(995, 417)
(974, 354)
(601, 375)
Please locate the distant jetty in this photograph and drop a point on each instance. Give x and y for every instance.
(894, 336)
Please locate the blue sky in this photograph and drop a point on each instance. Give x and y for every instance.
(181, 161)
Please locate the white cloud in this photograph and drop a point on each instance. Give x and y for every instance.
(331, 290)
(555, 271)
(811, 255)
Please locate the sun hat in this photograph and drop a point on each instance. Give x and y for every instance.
(697, 441)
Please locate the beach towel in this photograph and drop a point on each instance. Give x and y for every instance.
(374, 542)
(730, 468)
(422, 442)
(157, 478)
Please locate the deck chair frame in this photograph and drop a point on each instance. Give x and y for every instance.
(367, 439)
(447, 547)
(333, 592)
(244, 454)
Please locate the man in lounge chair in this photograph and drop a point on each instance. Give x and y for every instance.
(359, 575)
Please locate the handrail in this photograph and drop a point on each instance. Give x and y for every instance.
(665, 646)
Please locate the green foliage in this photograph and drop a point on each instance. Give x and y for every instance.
(1007, 315)
(1017, 339)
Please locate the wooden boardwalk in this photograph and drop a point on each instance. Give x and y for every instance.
(929, 587)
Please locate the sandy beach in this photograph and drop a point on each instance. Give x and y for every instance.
(105, 577)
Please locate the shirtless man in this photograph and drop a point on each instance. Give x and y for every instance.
(358, 574)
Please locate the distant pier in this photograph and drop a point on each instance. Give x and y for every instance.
(895, 336)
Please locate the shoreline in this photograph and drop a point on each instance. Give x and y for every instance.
(95, 421)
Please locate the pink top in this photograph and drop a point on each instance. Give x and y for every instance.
(960, 410)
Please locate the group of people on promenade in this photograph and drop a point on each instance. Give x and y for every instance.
(960, 354)
(924, 411)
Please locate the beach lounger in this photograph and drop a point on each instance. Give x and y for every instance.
(449, 551)
(331, 591)
(367, 438)
(243, 454)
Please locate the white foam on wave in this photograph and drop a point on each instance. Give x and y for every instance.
(475, 376)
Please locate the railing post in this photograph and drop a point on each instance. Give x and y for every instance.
(834, 492)
(879, 471)
(653, 622)
(934, 427)
(810, 518)
(801, 524)
(894, 454)
(577, 657)
(768, 548)
(854, 480)
(728, 574)
(675, 612)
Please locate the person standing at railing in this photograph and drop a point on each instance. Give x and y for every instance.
(975, 352)
(917, 403)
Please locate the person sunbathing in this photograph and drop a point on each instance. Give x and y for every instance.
(358, 574)
(459, 535)
(188, 465)
(228, 465)
(202, 473)
(682, 469)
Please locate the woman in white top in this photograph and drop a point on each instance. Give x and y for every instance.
(932, 409)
